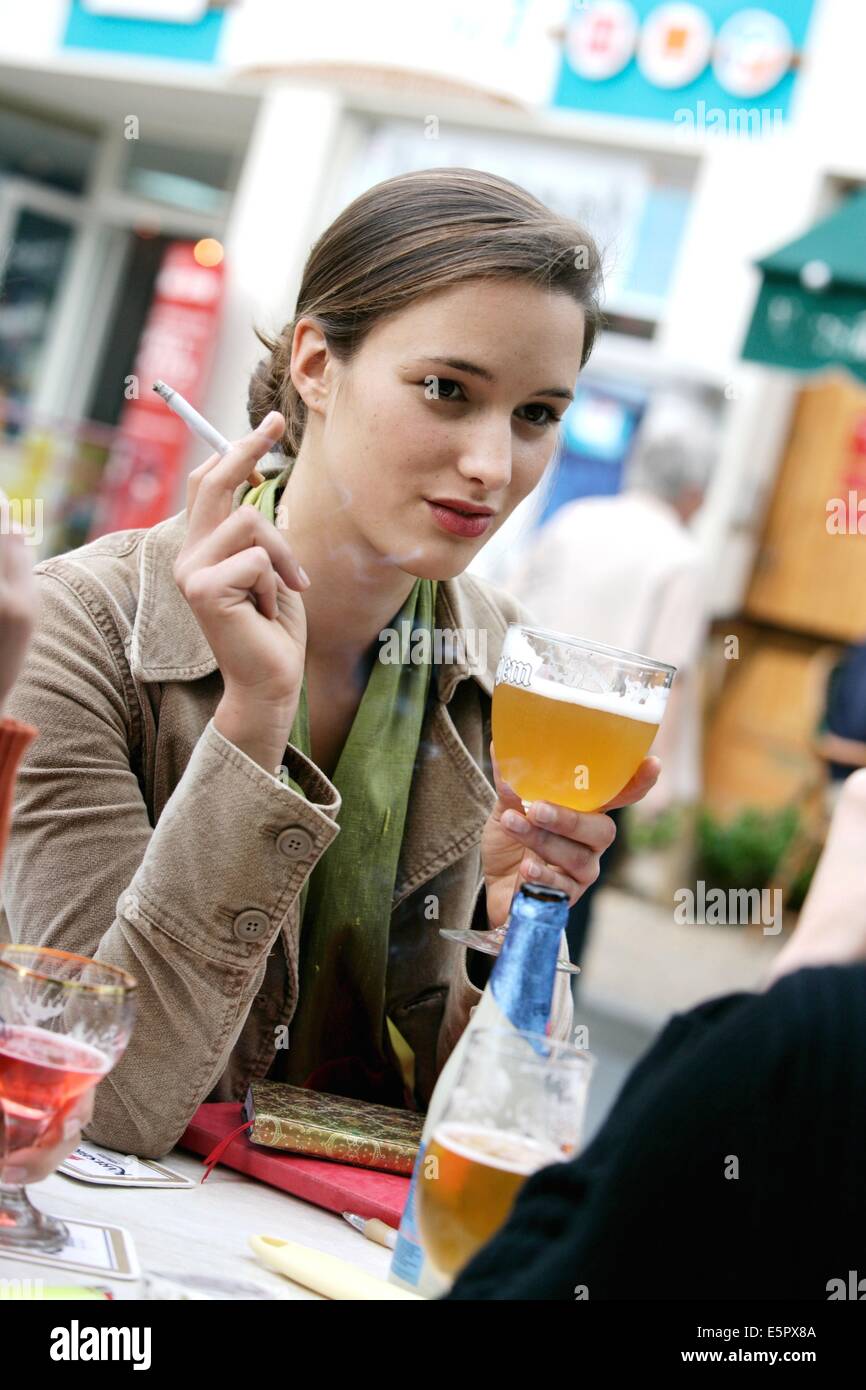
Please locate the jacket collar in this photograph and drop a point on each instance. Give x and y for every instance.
(167, 643)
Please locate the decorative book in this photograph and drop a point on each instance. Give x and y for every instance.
(334, 1127)
(215, 1131)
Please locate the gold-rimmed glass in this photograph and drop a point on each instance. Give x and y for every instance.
(65, 1020)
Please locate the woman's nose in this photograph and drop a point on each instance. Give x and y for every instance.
(487, 457)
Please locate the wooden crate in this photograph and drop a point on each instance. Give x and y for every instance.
(759, 729)
(805, 577)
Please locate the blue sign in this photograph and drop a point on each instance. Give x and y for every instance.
(153, 38)
(605, 74)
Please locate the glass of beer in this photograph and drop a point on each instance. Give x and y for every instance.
(518, 1105)
(572, 722)
(64, 1022)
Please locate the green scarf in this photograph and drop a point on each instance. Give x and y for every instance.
(340, 1039)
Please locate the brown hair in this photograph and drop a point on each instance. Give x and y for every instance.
(409, 236)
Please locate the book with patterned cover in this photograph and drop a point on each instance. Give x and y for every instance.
(215, 1129)
(335, 1127)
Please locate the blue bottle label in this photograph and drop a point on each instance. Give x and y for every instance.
(523, 977)
(408, 1257)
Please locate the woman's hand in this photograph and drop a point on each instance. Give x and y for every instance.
(62, 1136)
(19, 605)
(227, 561)
(563, 852)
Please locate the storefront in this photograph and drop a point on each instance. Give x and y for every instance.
(152, 123)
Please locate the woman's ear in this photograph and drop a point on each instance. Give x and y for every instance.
(310, 366)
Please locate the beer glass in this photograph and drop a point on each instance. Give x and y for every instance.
(518, 1105)
(572, 722)
(64, 1022)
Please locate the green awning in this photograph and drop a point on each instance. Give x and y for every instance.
(811, 310)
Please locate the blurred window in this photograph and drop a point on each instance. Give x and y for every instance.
(36, 148)
(29, 281)
(197, 179)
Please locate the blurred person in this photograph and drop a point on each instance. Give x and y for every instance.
(731, 1164)
(255, 814)
(840, 740)
(626, 571)
(19, 607)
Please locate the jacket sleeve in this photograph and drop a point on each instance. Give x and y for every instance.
(190, 907)
(463, 995)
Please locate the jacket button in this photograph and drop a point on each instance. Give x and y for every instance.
(295, 842)
(251, 925)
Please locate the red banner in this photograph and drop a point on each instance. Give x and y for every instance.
(141, 477)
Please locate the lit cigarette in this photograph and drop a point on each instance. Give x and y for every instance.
(199, 425)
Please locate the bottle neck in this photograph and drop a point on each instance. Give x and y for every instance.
(524, 975)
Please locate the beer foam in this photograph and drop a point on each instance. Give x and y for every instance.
(648, 706)
(497, 1148)
(636, 702)
(519, 649)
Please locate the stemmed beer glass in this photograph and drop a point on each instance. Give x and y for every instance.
(572, 722)
(65, 1021)
(518, 1105)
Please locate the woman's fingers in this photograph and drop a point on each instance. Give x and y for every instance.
(572, 844)
(506, 793)
(592, 829)
(533, 870)
(19, 608)
(214, 487)
(194, 479)
(644, 779)
(249, 572)
(243, 528)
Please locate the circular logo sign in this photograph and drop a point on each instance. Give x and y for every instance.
(753, 53)
(675, 45)
(601, 39)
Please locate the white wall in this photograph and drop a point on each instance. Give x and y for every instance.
(268, 235)
(32, 31)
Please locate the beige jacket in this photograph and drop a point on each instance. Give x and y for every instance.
(141, 836)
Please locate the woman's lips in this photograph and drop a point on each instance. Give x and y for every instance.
(457, 524)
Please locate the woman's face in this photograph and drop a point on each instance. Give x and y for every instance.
(454, 399)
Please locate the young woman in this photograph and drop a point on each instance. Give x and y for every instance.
(235, 794)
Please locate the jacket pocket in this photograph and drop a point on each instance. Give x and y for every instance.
(419, 1021)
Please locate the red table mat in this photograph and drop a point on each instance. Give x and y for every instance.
(334, 1186)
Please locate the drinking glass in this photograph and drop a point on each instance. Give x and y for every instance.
(572, 722)
(518, 1104)
(65, 1021)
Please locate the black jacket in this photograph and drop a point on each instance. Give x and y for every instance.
(732, 1165)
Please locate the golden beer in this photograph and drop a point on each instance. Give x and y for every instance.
(468, 1182)
(575, 749)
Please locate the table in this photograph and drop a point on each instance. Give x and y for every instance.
(200, 1230)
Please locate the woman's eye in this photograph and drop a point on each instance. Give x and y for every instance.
(548, 417)
(444, 388)
(437, 388)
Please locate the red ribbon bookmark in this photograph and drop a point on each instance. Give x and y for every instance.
(216, 1153)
